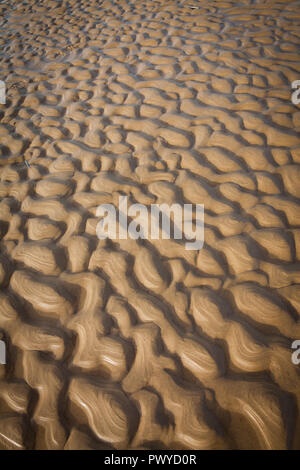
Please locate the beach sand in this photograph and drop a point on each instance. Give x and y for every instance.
(142, 344)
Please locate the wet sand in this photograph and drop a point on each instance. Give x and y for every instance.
(143, 344)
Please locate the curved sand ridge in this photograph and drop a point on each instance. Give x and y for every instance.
(145, 345)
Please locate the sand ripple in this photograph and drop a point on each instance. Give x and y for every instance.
(143, 344)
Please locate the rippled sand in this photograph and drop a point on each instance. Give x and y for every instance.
(145, 345)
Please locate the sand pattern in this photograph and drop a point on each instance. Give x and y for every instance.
(143, 344)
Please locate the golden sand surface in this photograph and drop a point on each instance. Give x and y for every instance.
(143, 344)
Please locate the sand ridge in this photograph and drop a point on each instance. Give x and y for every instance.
(143, 344)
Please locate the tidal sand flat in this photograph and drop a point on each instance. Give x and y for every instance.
(141, 343)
